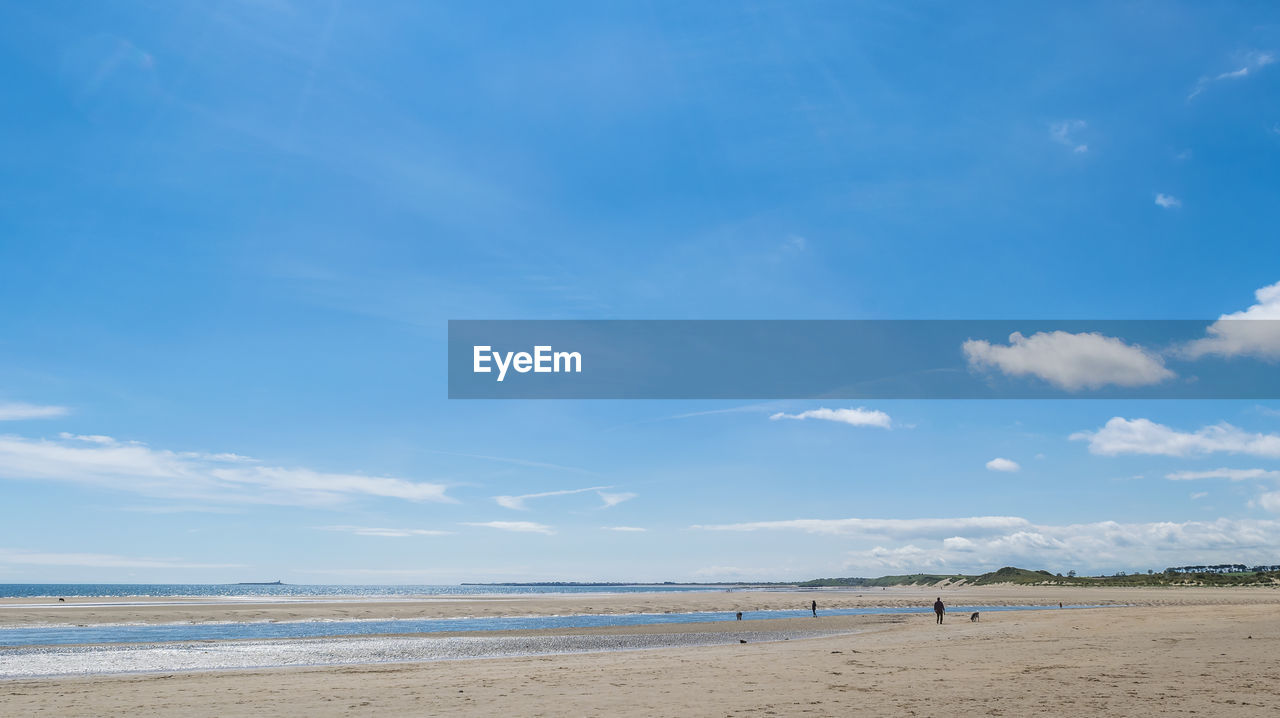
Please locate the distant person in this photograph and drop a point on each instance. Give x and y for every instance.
(815, 609)
(739, 615)
(1059, 604)
(939, 609)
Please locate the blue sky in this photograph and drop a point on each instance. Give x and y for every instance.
(231, 236)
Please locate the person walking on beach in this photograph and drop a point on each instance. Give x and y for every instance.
(939, 609)
(815, 609)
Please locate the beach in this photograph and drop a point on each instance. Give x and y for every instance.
(1167, 651)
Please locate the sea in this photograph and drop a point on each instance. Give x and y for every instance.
(243, 590)
(51, 635)
(54, 635)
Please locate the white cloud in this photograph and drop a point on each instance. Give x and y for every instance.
(516, 526)
(1254, 332)
(105, 463)
(1232, 474)
(1143, 436)
(384, 532)
(983, 543)
(1104, 544)
(98, 560)
(624, 529)
(1270, 501)
(90, 438)
(1062, 133)
(1197, 495)
(16, 411)
(517, 502)
(999, 464)
(1253, 62)
(1168, 201)
(854, 417)
(1070, 361)
(611, 500)
(898, 528)
(795, 243)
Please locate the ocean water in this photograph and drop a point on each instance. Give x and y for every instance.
(239, 590)
(176, 632)
(41, 661)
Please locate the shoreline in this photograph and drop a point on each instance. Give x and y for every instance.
(752, 615)
(131, 610)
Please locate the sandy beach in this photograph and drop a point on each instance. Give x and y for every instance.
(1168, 652)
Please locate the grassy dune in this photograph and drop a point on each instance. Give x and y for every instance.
(1026, 577)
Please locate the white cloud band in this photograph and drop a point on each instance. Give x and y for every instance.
(1143, 436)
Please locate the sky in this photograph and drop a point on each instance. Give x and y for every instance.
(232, 234)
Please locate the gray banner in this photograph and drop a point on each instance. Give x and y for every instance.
(864, 359)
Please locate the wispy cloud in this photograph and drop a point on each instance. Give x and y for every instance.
(179, 509)
(91, 438)
(880, 527)
(1254, 331)
(611, 500)
(17, 411)
(1143, 436)
(1006, 465)
(748, 409)
(860, 416)
(1064, 133)
(98, 560)
(729, 573)
(1168, 201)
(384, 532)
(528, 527)
(518, 502)
(1232, 474)
(624, 529)
(1070, 361)
(1252, 62)
(105, 463)
(519, 462)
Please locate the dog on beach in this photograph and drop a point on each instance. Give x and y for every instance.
(973, 617)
